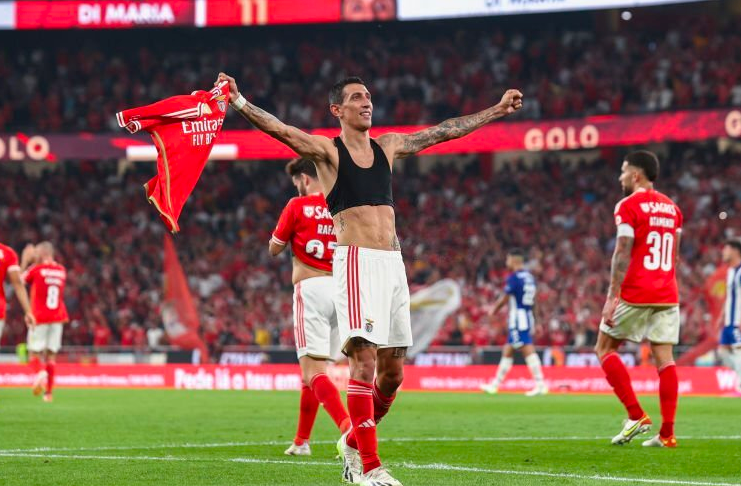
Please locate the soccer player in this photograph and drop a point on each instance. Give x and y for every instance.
(643, 301)
(372, 295)
(730, 336)
(47, 279)
(306, 223)
(520, 292)
(9, 267)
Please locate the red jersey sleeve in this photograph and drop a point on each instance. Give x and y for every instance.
(177, 107)
(286, 224)
(29, 275)
(10, 259)
(625, 214)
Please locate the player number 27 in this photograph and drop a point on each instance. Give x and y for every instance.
(52, 297)
(661, 251)
(316, 248)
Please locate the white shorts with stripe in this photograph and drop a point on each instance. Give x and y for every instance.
(372, 297)
(45, 337)
(659, 325)
(315, 319)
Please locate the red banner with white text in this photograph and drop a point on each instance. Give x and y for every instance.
(692, 380)
(534, 136)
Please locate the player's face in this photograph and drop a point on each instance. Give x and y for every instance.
(627, 179)
(730, 253)
(356, 108)
(509, 262)
(298, 181)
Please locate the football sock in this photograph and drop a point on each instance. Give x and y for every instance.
(308, 407)
(618, 377)
(360, 406)
(668, 395)
(329, 396)
(533, 362)
(50, 368)
(35, 364)
(381, 403)
(505, 364)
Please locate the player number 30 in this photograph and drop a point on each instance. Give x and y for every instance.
(661, 251)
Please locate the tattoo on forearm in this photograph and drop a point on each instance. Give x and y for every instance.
(395, 245)
(258, 117)
(447, 130)
(620, 263)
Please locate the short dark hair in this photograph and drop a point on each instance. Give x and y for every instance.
(646, 161)
(517, 252)
(335, 94)
(734, 243)
(296, 167)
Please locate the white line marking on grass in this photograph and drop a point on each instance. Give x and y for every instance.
(188, 445)
(425, 467)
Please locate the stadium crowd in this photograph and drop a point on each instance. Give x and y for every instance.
(452, 222)
(421, 74)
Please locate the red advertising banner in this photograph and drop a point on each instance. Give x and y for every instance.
(535, 136)
(692, 380)
(103, 14)
(261, 12)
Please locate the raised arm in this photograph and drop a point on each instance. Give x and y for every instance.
(404, 145)
(313, 147)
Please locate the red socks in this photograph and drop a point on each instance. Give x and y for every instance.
(35, 364)
(381, 405)
(329, 396)
(50, 366)
(307, 414)
(668, 394)
(618, 378)
(360, 406)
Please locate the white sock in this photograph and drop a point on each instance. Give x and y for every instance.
(736, 359)
(726, 358)
(505, 364)
(533, 362)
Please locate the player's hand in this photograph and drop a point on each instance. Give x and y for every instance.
(511, 101)
(30, 320)
(233, 89)
(609, 310)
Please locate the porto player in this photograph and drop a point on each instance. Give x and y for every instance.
(520, 291)
(730, 336)
(643, 301)
(47, 279)
(371, 291)
(9, 266)
(306, 224)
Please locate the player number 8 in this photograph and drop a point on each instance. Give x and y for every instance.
(52, 297)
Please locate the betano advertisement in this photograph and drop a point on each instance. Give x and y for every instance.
(692, 380)
(534, 136)
(117, 14)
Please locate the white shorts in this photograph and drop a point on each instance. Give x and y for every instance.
(659, 325)
(372, 297)
(315, 319)
(45, 337)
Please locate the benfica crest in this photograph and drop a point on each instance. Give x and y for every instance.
(222, 105)
(308, 211)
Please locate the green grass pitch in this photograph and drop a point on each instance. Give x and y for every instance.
(178, 438)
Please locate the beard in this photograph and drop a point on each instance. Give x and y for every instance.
(627, 191)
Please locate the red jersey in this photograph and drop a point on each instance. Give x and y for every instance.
(47, 282)
(655, 222)
(8, 263)
(183, 128)
(307, 224)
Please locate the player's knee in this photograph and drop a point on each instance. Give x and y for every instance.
(391, 380)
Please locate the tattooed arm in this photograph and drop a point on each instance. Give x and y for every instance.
(311, 147)
(620, 263)
(405, 145)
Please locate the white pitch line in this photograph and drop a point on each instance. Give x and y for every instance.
(426, 467)
(189, 445)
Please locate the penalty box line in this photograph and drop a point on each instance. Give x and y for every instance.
(407, 465)
(189, 445)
